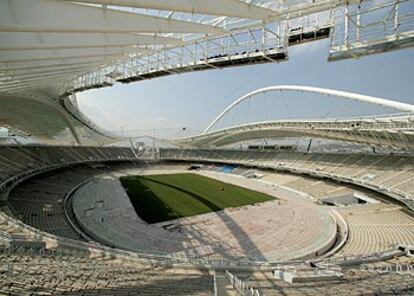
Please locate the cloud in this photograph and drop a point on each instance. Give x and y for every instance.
(119, 119)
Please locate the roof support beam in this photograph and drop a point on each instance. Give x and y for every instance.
(40, 78)
(43, 41)
(62, 16)
(307, 8)
(16, 56)
(27, 85)
(25, 74)
(232, 8)
(48, 66)
(44, 63)
(45, 75)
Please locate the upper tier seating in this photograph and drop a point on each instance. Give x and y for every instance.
(24, 160)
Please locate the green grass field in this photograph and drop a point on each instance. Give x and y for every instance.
(158, 198)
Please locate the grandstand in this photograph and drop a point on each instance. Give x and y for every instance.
(328, 221)
(64, 200)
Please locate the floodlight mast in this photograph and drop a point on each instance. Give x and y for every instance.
(323, 91)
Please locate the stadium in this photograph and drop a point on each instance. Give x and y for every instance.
(253, 204)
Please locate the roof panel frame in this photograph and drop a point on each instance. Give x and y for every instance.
(47, 16)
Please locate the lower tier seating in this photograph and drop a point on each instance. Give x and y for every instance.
(24, 274)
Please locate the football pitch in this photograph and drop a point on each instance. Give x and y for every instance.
(158, 198)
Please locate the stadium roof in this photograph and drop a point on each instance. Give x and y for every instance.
(45, 43)
(52, 49)
(392, 130)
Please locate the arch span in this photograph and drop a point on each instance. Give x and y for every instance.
(310, 89)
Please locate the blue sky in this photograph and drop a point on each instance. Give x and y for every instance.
(192, 100)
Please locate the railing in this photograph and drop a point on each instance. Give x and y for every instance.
(288, 272)
(201, 53)
(241, 287)
(343, 260)
(370, 23)
(398, 268)
(215, 288)
(218, 260)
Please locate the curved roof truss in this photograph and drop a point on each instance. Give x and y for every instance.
(310, 89)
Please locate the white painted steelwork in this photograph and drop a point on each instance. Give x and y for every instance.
(52, 49)
(310, 89)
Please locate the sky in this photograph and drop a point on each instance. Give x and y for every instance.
(192, 100)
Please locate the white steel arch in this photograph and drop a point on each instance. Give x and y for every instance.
(310, 89)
